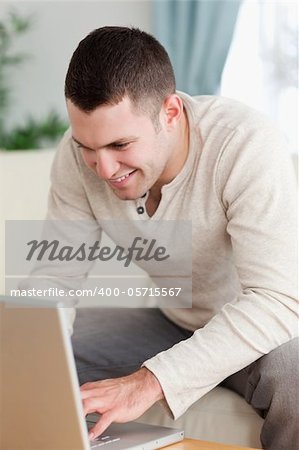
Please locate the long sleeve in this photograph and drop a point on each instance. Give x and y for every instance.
(256, 189)
(69, 221)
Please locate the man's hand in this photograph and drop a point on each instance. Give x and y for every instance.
(120, 399)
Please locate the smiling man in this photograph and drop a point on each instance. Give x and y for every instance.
(127, 151)
(138, 149)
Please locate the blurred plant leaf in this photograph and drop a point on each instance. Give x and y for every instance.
(33, 133)
(20, 24)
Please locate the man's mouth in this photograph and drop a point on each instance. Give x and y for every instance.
(122, 178)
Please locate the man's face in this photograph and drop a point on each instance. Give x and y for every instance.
(122, 147)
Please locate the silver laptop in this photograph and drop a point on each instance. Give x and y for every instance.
(41, 406)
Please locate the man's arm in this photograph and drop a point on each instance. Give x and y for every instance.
(256, 188)
(70, 221)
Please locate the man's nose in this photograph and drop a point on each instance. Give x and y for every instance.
(106, 164)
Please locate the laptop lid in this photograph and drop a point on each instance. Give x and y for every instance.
(40, 399)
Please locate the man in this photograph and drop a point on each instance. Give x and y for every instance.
(138, 148)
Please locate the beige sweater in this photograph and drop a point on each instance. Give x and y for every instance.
(238, 189)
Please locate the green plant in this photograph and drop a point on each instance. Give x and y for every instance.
(33, 133)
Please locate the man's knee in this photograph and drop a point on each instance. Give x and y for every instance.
(281, 364)
(276, 396)
(276, 378)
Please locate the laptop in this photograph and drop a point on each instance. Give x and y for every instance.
(40, 403)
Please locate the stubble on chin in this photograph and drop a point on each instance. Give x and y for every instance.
(123, 196)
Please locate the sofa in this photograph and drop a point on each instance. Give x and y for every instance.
(221, 415)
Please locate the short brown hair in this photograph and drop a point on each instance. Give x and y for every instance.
(112, 62)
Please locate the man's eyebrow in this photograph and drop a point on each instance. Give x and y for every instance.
(111, 144)
(79, 143)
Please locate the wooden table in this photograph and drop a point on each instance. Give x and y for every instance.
(194, 444)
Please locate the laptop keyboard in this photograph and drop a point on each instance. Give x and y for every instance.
(103, 440)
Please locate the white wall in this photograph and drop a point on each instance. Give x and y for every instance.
(58, 28)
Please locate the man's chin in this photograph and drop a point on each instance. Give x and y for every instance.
(122, 195)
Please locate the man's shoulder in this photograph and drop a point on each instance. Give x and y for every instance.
(217, 112)
(213, 103)
(67, 155)
(68, 162)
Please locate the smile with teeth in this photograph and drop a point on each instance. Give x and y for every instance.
(118, 180)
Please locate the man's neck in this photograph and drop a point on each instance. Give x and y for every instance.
(152, 204)
(180, 156)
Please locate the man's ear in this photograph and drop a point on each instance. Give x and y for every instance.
(172, 109)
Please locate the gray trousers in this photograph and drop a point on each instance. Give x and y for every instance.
(109, 343)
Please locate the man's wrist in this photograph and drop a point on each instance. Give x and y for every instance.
(152, 384)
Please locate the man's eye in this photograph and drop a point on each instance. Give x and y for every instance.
(121, 146)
